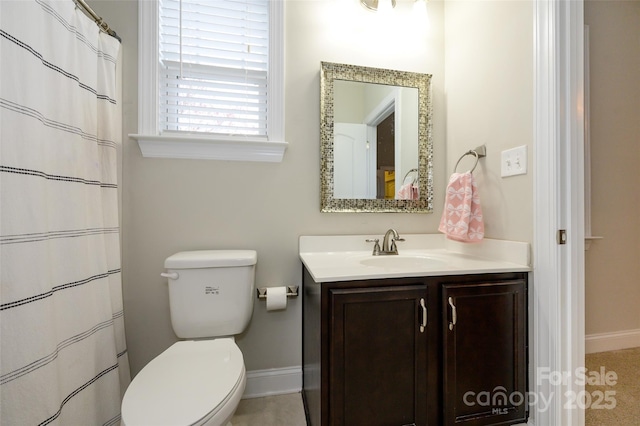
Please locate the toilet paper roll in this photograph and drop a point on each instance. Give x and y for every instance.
(276, 298)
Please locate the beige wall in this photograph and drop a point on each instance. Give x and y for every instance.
(613, 263)
(173, 205)
(489, 96)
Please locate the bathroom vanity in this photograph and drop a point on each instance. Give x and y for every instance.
(435, 335)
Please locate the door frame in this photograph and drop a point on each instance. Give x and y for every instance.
(557, 293)
(384, 109)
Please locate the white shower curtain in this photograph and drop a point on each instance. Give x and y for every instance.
(63, 352)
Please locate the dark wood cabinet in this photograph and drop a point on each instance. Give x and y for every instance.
(484, 352)
(380, 352)
(377, 373)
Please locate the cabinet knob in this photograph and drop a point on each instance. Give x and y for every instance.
(424, 315)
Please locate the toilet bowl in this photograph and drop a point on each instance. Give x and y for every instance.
(199, 381)
(191, 383)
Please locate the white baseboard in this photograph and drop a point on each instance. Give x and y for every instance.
(275, 381)
(602, 342)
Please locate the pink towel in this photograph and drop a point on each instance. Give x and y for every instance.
(408, 192)
(462, 216)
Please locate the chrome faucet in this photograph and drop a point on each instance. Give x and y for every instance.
(388, 243)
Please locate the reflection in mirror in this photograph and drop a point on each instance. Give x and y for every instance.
(376, 144)
(375, 140)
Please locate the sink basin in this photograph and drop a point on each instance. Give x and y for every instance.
(334, 258)
(400, 261)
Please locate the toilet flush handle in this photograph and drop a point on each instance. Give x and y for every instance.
(170, 275)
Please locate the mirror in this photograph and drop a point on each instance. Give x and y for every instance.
(375, 140)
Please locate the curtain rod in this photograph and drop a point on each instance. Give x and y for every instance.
(98, 20)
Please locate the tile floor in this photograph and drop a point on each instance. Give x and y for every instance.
(278, 410)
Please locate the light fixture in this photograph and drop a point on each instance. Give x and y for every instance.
(376, 5)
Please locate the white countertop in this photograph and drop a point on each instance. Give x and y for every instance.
(330, 258)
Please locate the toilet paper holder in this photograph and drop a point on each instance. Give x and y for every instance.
(292, 291)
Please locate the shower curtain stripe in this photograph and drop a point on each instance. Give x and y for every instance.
(45, 7)
(54, 67)
(56, 177)
(71, 233)
(54, 124)
(54, 289)
(63, 355)
(51, 357)
(77, 391)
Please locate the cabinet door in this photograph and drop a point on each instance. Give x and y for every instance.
(377, 372)
(485, 373)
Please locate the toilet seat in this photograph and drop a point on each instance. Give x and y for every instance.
(186, 385)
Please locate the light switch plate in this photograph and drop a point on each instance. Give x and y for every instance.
(514, 161)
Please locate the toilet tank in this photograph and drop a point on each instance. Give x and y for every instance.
(211, 292)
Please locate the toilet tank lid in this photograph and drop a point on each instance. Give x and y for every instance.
(211, 259)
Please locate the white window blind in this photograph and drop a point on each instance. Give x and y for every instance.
(213, 66)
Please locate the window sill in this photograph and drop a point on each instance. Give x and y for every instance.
(208, 148)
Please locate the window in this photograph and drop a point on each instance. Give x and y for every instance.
(211, 79)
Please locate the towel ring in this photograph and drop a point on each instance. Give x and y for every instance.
(464, 155)
(479, 152)
(407, 174)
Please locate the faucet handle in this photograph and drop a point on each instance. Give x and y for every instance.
(394, 248)
(376, 246)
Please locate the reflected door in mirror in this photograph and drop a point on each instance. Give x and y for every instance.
(354, 162)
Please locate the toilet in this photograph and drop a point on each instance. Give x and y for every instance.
(200, 379)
